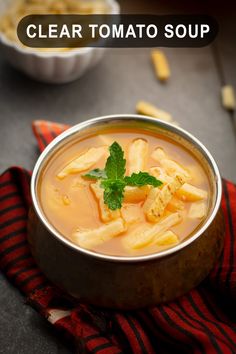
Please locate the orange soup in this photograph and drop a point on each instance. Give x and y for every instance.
(150, 219)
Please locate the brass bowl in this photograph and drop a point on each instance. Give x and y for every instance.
(127, 282)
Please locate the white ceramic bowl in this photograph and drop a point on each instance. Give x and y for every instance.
(52, 67)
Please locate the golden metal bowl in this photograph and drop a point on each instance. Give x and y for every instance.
(127, 282)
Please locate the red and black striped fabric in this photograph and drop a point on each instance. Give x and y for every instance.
(202, 321)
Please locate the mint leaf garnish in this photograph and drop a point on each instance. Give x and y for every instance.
(114, 181)
(96, 174)
(115, 165)
(142, 179)
(113, 193)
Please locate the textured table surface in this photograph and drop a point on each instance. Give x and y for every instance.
(124, 76)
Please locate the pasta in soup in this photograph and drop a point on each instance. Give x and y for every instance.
(124, 192)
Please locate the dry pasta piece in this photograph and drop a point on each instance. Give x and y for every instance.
(158, 154)
(137, 155)
(168, 238)
(143, 237)
(105, 213)
(161, 65)
(160, 174)
(91, 238)
(135, 194)
(172, 168)
(163, 198)
(83, 162)
(190, 193)
(197, 210)
(148, 109)
(228, 97)
(175, 204)
(152, 195)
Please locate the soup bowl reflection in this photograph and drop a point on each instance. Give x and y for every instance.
(127, 282)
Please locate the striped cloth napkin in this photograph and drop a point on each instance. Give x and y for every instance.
(202, 321)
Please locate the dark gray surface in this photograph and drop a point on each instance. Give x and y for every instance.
(124, 76)
(22, 330)
(114, 86)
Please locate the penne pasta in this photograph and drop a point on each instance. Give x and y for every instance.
(228, 97)
(152, 195)
(175, 205)
(168, 238)
(95, 237)
(158, 154)
(160, 64)
(170, 166)
(156, 209)
(141, 238)
(83, 162)
(173, 168)
(148, 109)
(137, 156)
(190, 193)
(160, 174)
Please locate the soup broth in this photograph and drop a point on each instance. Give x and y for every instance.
(150, 220)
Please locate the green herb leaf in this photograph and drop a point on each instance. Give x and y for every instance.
(142, 179)
(115, 165)
(114, 181)
(96, 174)
(111, 183)
(113, 193)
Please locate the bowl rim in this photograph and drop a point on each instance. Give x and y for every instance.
(147, 257)
(115, 9)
